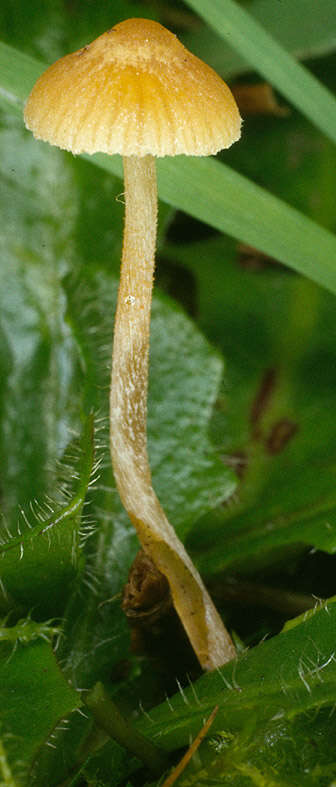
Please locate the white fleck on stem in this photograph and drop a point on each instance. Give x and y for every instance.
(128, 421)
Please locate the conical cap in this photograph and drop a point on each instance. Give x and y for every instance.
(136, 90)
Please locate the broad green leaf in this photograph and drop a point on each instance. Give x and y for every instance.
(277, 754)
(184, 382)
(275, 724)
(289, 675)
(34, 698)
(269, 58)
(37, 354)
(39, 565)
(215, 194)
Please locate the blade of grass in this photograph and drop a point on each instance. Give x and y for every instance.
(214, 193)
(211, 192)
(232, 203)
(270, 59)
(283, 20)
(18, 72)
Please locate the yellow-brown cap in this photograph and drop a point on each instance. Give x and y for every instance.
(135, 90)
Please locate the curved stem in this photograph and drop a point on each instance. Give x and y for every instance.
(109, 718)
(128, 421)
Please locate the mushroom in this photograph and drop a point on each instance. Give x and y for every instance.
(138, 92)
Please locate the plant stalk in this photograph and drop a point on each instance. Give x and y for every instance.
(107, 715)
(128, 421)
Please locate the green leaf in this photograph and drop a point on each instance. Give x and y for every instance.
(265, 739)
(37, 355)
(267, 56)
(34, 697)
(295, 751)
(45, 557)
(290, 674)
(184, 382)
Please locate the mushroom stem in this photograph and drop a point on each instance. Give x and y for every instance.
(128, 421)
(128, 395)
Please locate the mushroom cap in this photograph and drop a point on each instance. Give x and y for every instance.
(135, 90)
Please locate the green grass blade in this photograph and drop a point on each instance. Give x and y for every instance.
(18, 72)
(216, 194)
(211, 192)
(265, 55)
(283, 21)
